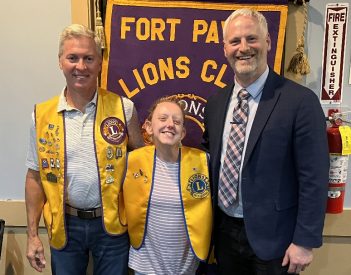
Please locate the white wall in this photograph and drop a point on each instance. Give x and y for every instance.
(29, 73)
(314, 42)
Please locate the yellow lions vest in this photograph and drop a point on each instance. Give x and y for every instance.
(110, 137)
(195, 196)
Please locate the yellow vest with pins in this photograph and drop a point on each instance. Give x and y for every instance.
(195, 196)
(110, 137)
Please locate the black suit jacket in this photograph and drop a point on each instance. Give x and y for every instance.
(286, 166)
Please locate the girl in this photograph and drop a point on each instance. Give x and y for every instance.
(167, 198)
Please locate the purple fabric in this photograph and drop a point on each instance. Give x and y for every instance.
(131, 54)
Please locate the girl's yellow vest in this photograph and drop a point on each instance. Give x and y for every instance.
(110, 136)
(194, 190)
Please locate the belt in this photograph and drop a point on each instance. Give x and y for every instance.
(84, 214)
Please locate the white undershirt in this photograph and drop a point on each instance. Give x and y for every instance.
(166, 248)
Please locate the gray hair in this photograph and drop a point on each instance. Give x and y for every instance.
(246, 12)
(77, 31)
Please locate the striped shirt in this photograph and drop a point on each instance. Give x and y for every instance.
(166, 248)
(82, 176)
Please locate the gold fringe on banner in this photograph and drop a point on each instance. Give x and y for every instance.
(299, 63)
(99, 27)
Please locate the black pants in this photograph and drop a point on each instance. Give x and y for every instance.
(234, 254)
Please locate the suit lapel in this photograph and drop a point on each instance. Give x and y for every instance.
(222, 107)
(269, 98)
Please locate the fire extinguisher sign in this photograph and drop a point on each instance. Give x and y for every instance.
(335, 31)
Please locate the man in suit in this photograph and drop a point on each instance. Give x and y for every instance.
(275, 215)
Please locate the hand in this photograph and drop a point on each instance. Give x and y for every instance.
(35, 253)
(298, 258)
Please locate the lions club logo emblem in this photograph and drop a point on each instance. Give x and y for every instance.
(113, 130)
(198, 186)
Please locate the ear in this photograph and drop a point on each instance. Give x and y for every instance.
(60, 65)
(100, 64)
(183, 133)
(148, 127)
(268, 39)
(224, 49)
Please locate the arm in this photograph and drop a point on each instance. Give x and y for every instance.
(134, 133)
(312, 169)
(35, 199)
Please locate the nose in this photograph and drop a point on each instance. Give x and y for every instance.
(244, 46)
(81, 65)
(170, 123)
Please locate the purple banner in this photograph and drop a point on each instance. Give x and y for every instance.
(159, 49)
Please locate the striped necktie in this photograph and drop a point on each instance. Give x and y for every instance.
(229, 175)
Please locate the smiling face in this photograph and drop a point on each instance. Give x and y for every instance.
(80, 63)
(246, 46)
(167, 125)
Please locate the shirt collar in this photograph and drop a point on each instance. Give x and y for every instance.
(63, 105)
(255, 88)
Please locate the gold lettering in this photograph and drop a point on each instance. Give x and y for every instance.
(181, 64)
(199, 188)
(199, 28)
(173, 22)
(157, 27)
(218, 82)
(138, 79)
(210, 31)
(126, 89)
(212, 35)
(149, 29)
(211, 77)
(151, 74)
(152, 77)
(143, 23)
(124, 26)
(166, 68)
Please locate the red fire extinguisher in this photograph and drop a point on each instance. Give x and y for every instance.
(338, 166)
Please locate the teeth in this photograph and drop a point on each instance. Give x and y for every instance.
(244, 57)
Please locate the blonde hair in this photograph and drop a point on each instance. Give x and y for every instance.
(246, 12)
(77, 31)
